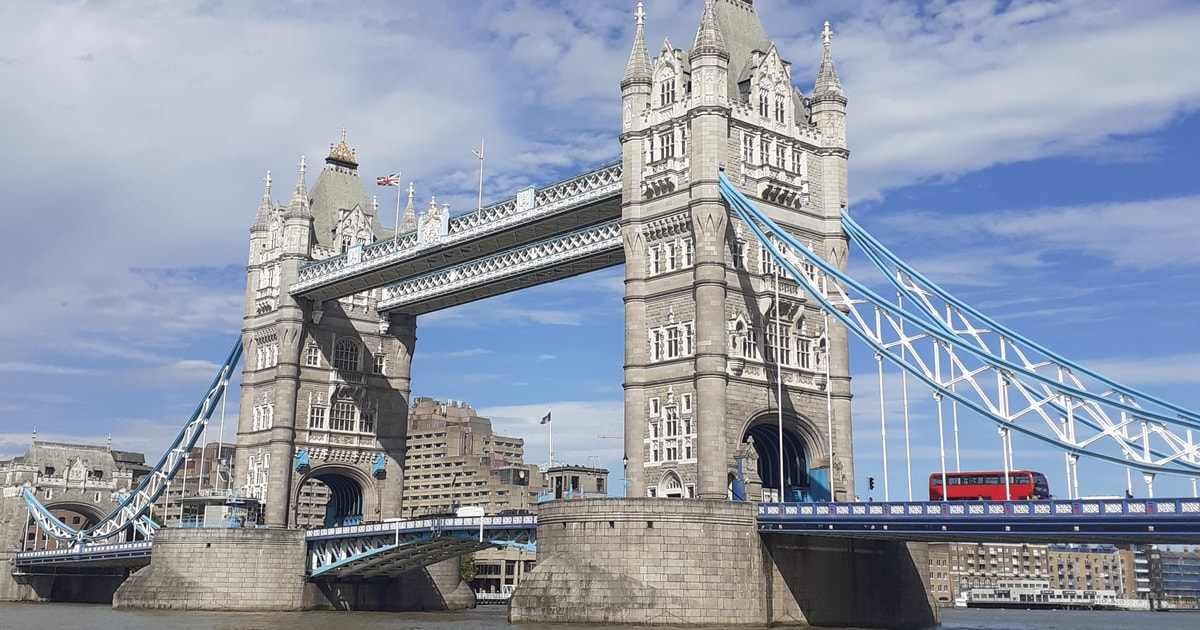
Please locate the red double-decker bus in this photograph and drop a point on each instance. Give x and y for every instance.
(988, 486)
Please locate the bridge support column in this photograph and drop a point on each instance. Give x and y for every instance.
(681, 562)
(220, 569)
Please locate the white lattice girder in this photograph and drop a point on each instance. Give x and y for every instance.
(586, 199)
(590, 249)
(1011, 393)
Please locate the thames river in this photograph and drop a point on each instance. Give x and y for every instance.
(93, 617)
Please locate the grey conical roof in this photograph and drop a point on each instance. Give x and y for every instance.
(740, 32)
(262, 220)
(299, 206)
(827, 77)
(339, 188)
(637, 70)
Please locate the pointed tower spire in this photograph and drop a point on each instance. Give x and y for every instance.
(299, 204)
(408, 222)
(827, 78)
(263, 218)
(708, 37)
(638, 68)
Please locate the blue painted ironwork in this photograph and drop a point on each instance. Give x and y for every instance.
(85, 553)
(302, 460)
(894, 331)
(378, 466)
(1086, 520)
(391, 548)
(132, 509)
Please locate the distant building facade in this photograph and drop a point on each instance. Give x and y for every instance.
(79, 484)
(957, 567)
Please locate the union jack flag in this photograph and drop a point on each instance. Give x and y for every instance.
(390, 180)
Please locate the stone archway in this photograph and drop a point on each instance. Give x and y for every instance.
(670, 486)
(802, 480)
(333, 496)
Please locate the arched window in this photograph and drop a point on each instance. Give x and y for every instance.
(346, 355)
(671, 487)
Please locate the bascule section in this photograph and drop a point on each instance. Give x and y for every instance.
(325, 384)
(737, 385)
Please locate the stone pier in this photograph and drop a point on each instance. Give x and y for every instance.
(684, 562)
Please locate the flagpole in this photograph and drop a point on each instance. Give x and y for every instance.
(396, 225)
(479, 154)
(551, 429)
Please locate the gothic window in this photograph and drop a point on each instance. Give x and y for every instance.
(345, 355)
(779, 108)
(763, 104)
(666, 90)
(750, 347)
(312, 356)
(689, 252)
(672, 428)
(766, 262)
(347, 243)
(672, 341)
(779, 346)
(685, 402)
(380, 364)
(796, 159)
(316, 418)
(781, 156)
(672, 256)
(654, 431)
(655, 455)
(666, 148)
(343, 416)
(366, 422)
(683, 140)
(804, 352)
(747, 148)
(764, 152)
(654, 407)
(650, 146)
(738, 253)
(672, 450)
(655, 260)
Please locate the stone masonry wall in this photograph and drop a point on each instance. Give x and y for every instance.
(674, 562)
(220, 569)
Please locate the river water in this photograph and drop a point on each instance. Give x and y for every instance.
(97, 617)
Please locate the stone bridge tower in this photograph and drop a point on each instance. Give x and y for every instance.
(708, 348)
(324, 386)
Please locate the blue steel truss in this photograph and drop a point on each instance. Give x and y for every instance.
(962, 355)
(133, 507)
(1086, 520)
(391, 548)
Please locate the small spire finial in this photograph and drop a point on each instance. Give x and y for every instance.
(639, 16)
(344, 126)
(34, 434)
(826, 35)
(375, 202)
(267, 179)
(410, 193)
(301, 164)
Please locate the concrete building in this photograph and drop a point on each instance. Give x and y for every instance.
(454, 459)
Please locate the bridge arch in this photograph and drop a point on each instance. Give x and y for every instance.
(803, 447)
(346, 494)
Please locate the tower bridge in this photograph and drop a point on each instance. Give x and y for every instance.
(727, 210)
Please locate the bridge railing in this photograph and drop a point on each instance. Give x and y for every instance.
(1099, 508)
(413, 525)
(86, 551)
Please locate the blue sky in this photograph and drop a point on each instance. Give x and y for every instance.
(1038, 159)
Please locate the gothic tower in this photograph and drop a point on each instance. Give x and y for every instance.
(324, 386)
(709, 348)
